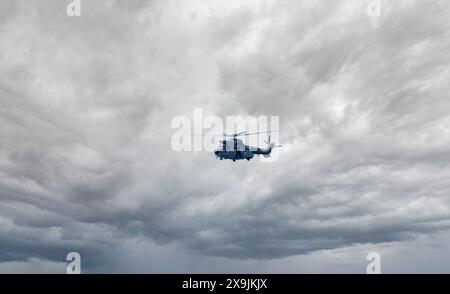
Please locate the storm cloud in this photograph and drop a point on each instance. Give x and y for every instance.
(85, 110)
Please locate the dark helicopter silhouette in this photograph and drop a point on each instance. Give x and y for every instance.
(235, 149)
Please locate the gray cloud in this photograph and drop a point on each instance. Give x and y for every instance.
(86, 105)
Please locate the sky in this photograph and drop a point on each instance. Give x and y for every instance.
(86, 162)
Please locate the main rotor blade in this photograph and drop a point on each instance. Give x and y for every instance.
(235, 135)
(239, 134)
(268, 132)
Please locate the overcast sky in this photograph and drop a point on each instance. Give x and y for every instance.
(86, 163)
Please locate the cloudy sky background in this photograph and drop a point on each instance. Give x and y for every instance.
(85, 157)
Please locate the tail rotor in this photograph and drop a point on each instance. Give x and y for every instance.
(271, 144)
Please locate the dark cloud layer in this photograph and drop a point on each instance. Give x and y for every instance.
(86, 104)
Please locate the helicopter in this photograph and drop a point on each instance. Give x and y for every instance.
(234, 149)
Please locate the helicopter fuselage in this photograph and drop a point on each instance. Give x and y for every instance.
(238, 151)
